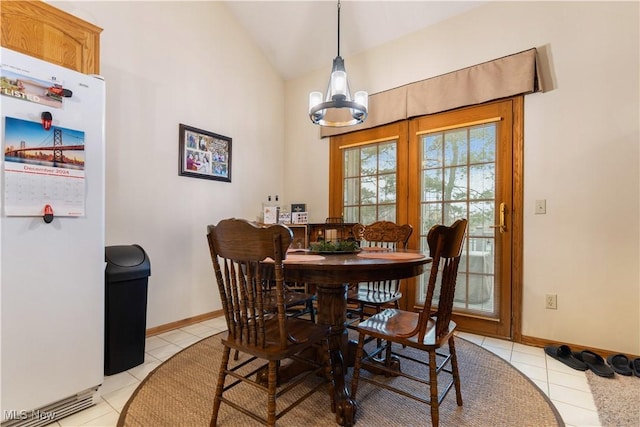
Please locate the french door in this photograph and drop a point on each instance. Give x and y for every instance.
(459, 164)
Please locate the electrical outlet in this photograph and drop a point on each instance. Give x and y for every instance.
(541, 207)
(551, 301)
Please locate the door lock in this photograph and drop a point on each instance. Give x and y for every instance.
(501, 226)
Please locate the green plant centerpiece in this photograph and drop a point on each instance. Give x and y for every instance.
(348, 246)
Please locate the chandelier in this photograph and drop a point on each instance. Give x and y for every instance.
(338, 108)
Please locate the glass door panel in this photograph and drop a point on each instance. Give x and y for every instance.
(463, 167)
(458, 181)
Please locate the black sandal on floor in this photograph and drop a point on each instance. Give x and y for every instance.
(563, 354)
(635, 366)
(620, 364)
(595, 362)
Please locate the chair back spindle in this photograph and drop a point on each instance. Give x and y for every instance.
(445, 247)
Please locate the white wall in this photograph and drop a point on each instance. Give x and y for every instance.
(167, 63)
(581, 152)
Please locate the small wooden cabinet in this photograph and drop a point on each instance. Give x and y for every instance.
(300, 236)
(40, 30)
(330, 231)
(306, 234)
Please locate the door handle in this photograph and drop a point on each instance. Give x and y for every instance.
(501, 226)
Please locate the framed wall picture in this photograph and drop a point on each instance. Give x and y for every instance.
(204, 154)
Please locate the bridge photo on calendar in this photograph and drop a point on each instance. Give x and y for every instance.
(29, 142)
(43, 167)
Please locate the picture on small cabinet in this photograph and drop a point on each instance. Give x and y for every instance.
(204, 154)
(299, 218)
(298, 207)
(284, 217)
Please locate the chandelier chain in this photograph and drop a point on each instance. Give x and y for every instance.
(338, 27)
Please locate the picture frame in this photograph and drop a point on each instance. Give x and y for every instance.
(298, 207)
(204, 154)
(284, 217)
(299, 218)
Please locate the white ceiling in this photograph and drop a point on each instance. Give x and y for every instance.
(299, 37)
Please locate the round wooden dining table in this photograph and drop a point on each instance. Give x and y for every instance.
(331, 274)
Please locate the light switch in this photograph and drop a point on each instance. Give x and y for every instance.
(541, 207)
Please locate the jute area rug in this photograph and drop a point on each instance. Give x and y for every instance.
(617, 399)
(180, 393)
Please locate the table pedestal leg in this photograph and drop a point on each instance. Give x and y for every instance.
(332, 305)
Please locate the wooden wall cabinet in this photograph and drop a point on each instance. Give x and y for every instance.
(38, 29)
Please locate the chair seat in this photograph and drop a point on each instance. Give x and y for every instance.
(302, 334)
(393, 324)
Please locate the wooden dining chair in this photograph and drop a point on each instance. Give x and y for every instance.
(370, 297)
(238, 250)
(423, 331)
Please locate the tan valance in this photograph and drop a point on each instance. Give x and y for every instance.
(500, 78)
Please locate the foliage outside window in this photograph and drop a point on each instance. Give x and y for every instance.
(370, 183)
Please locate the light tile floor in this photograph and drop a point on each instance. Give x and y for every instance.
(567, 388)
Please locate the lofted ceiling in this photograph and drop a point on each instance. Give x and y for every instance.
(299, 37)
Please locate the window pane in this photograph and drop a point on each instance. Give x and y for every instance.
(482, 140)
(455, 148)
(432, 185)
(482, 181)
(369, 161)
(454, 211)
(480, 245)
(387, 188)
(387, 213)
(351, 214)
(352, 191)
(455, 186)
(431, 215)
(368, 190)
(351, 162)
(387, 158)
(481, 218)
(368, 214)
(432, 151)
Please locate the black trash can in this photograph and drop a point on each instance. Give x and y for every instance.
(126, 280)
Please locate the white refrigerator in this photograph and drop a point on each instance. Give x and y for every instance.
(52, 266)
